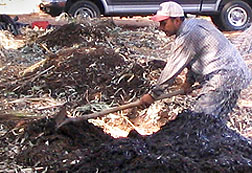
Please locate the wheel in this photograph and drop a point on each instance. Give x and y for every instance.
(216, 20)
(235, 15)
(84, 9)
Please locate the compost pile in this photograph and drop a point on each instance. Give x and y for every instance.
(191, 143)
(85, 67)
(74, 72)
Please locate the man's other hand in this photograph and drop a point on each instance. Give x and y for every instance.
(186, 87)
(145, 101)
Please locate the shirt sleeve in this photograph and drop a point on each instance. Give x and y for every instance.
(182, 54)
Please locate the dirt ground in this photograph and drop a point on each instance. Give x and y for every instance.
(77, 68)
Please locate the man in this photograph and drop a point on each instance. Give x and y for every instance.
(209, 57)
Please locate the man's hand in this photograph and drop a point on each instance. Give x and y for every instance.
(186, 87)
(145, 101)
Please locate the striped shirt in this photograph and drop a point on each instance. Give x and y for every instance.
(204, 50)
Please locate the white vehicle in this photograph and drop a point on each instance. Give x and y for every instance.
(226, 14)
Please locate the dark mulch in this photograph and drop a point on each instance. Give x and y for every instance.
(191, 143)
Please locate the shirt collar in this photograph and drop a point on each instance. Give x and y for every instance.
(182, 26)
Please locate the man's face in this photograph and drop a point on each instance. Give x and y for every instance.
(168, 26)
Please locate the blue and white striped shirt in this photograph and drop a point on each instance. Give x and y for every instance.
(203, 49)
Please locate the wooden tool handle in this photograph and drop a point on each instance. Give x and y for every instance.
(119, 108)
(97, 114)
(127, 106)
(111, 110)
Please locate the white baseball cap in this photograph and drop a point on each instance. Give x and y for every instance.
(168, 9)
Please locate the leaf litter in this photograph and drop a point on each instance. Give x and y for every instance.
(83, 67)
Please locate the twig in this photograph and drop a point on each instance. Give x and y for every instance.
(47, 50)
(25, 170)
(136, 128)
(33, 67)
(34, 78)
(50, 101)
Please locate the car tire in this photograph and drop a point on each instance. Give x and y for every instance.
(235, 15)
(217, 22)
(84, 9)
